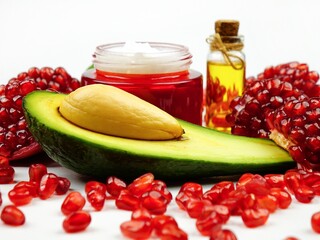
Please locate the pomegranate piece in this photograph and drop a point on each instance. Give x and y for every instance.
(282, 104)
(12, 215)
(73, 202)
(249, 112)
(6, 174)
(295, 126)
(255, 217)
(136, 229)
(48, 185)
(17, 141)
(20, 196)
(315, 222)
(76, 221)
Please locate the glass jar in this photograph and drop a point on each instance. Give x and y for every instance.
(225, 73)
(156, 72)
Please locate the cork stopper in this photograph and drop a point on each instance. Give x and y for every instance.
(227, 27)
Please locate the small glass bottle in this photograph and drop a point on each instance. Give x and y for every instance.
(156, 72)
(225, 73)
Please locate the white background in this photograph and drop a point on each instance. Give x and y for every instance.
(66, 32)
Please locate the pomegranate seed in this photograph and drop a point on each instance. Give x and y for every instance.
(12, 215)
(127, 201)
(141, 184)
(183, 198)
(20, 196)
(315, 222)
(292, 180)
(304, 194)
(254, 217)
(205, 223)
(161, 187)
(27, 86)
(96, 198)
(95, 185)
(114, 186)
(223, 234)
(154, 202)
(4, 161)
(258, 186)
(63, 185)
(196, 208)
(6, 174)
(268, 202)
(76, 221)
(48, 185)
(136, 229)
(73, 202)
(34, 72)
(159, 221)
(195, 189)
(33, 187)
(244, 179)
(36, 172)
(275, 180)
(248, 201)
(141, 214)
(173, 232)
(283, 197)
(222, 211)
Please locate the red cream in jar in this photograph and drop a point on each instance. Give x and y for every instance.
(156, 72)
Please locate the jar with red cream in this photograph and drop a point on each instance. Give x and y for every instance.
(156, 72)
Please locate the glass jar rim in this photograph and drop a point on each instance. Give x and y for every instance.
(153, 57)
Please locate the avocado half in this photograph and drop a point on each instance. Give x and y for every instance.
(201, 153)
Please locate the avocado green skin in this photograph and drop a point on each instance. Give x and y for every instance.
(201, 153)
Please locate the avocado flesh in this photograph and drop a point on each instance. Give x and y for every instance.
(201, 153)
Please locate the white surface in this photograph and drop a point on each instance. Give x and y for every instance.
(66, 32)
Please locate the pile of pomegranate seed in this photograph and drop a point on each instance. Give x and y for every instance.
(15, 139)
(253, 198)
(284, 101)
(41, 184)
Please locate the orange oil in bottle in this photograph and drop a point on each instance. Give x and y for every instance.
(224, 83)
